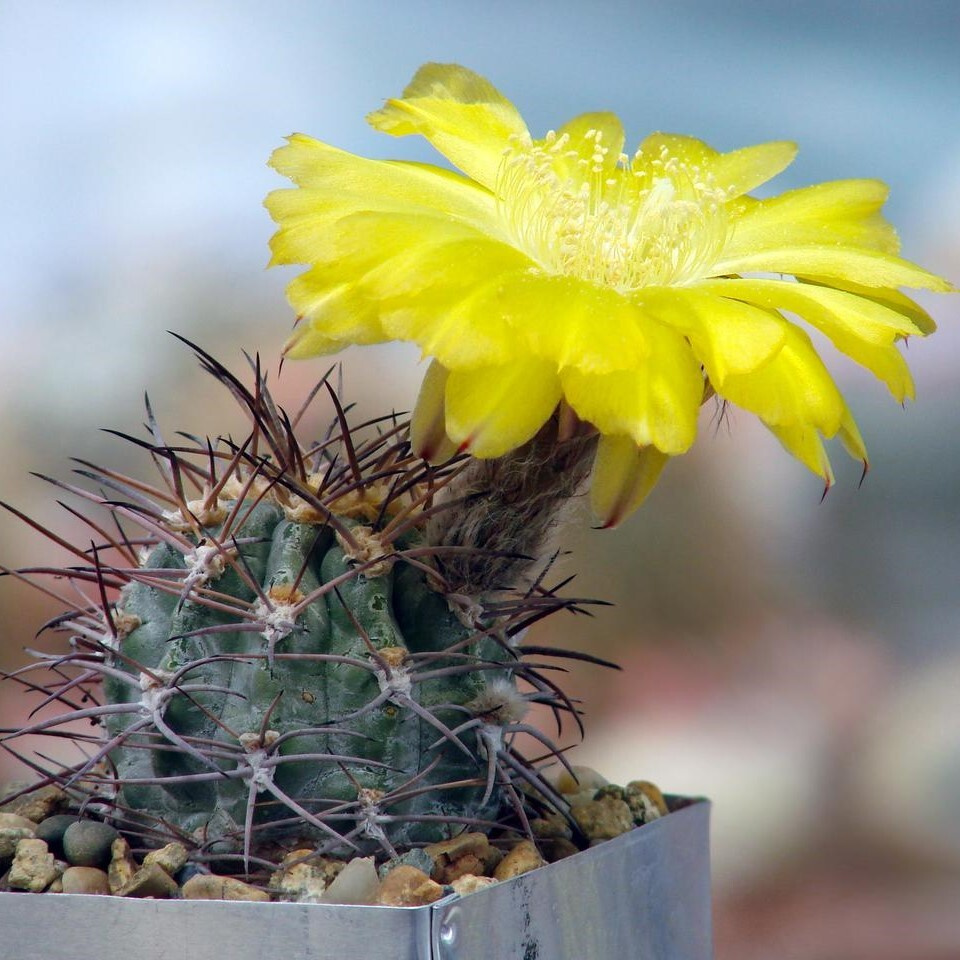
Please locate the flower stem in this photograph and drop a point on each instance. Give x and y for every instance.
(506, 508)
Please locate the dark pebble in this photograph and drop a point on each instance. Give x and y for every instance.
(188, 872)
(86, 843)
(52, 830)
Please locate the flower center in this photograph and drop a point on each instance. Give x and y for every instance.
(639, 221)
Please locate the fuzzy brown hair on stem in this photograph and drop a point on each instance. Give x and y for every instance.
(506, 509)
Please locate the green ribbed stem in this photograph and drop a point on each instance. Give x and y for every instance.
(391, 612)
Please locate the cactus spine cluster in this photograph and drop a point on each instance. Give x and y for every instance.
(273, 654)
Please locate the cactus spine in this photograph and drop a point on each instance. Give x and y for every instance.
(273, 654)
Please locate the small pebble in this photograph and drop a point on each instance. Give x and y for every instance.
(586, 779)
(458, 846)
(611, 791)
(583, 796)
(189, 871)
(9, 838)
(36, 805)
(152, 881)
(645, 801)
(33, 867)
(13, 821)
(460, 867)
(357, 883)
(551, 826)
(306, 881)
(603, 819)
(52, 829)
(122, 865)
(417, 857)
(481, 856)
(406, 886)
(87, 843)
(206, 886)
(84, 880)
(559, 848)
(469, 883)
(523, 858)
(171, 858)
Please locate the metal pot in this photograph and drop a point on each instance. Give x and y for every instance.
(642, 896)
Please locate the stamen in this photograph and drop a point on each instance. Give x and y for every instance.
(648, 220)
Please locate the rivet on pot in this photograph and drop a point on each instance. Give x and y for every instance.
(447, 935)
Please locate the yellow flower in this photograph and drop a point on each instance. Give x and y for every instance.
(564, 271)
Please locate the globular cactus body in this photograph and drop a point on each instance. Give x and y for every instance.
(347, 660)
(279, 648)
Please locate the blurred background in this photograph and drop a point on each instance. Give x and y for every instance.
(796, 661)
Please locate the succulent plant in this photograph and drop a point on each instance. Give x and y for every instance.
(287, 642)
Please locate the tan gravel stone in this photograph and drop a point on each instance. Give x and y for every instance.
(120, 849)
(469, 883)
(523, 858)
(33, 867)
(306, 880)
(10, 837)
(152, 881)
(586, 779)
(645, 801)
(406, 886)
(460, 867)
(85, 880)
(603, 819)
(464, 843)
(210, 887)
(474, 849)
(610, 792)
(551, 826)
(36, 805)
(122, 866)
(170, 858)
(13, 821)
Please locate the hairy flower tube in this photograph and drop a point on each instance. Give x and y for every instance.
(562, 272)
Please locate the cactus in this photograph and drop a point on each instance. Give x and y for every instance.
(274, 655)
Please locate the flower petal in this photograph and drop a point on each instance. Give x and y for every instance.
(860, 328)
(461, 113)
(332, 316)
(727, 337)
(446, 297)
(623, 476)
(492, 410)
(852, 441)
(654, 404)
(737, 172)
(893, 299)
(334, 183)
(793, 389)
(868, 267)
(741, 171)
(595, 140)
(574, 323)
(688, 150)
(428, 433)
(845, 211)
(804, 443)
(339, 296)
